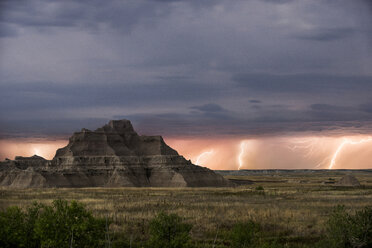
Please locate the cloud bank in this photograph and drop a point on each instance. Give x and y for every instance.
(186, 68)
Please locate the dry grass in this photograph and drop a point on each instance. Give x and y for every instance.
(286, 206)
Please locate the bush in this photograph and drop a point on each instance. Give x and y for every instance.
(337, 228)
(12, 233)
(69, 225)
(31, 217)
(361, 228)
(245, 234)
(273, 244)
(345, 230)
(168, 231)
(59, 225)
(17, 227)
(259, 188)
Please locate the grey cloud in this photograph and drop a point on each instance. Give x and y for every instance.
(210, 107)
(366, 107)
(176, 78)
(278, 1)
(326, 107)
(268, 123)
(306, 83)
(94, 14)
(269, 120)
(84, 14)
(52, 127)
(7, 31)
(44, 95)
(181, 62)
(191, 124)
(326, 34)
(326, 112)
(212, 118)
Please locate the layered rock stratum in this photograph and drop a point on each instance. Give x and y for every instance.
(111, 156)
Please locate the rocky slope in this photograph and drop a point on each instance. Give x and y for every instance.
(111, 156)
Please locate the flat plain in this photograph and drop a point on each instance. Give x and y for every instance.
(292, 205)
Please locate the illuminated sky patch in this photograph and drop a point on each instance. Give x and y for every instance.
(289, 152)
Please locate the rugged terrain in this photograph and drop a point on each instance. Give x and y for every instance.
(111, 156)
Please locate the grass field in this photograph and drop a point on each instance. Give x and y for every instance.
(291, 206)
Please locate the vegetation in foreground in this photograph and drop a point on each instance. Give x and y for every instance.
(61, 224)
(65, 224)
(287, 210)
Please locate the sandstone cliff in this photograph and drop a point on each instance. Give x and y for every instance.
(111, 156)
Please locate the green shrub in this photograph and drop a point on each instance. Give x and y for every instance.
(17, 227)
(349, 231)
(62, 224)
(259, 188)
(12, 233)
(245, 234)
(69, 225)
(361, 228)
(273, 244)
(168, 231)
(31, 217)
(338, 227)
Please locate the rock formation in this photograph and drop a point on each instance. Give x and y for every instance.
(111, 156)
(349, 181)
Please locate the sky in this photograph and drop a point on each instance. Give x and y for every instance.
(231, 84)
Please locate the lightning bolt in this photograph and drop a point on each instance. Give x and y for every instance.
(305, 145)
(243, 145)
(325, 160)
(308, 147)
(202, 156)
(36, 151)
(346, 142)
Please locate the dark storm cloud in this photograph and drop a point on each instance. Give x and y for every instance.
(326, 107)
(326, 112)
(43, 95)
(93, 14)
(7, 31)
(281, 121)
(49, 95)
(205, 119)
(271, 120)
(328, 34)
(278, 1)
(121, 15)
(209, 107)
(366, 107)
(53, 127)
(305, 83)
(208, 121)
(187, 67)
(211, 120)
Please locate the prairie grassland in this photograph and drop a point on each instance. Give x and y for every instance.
(293, 206)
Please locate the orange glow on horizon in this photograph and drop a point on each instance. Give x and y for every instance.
(290, 152)
(341, 146)
(44, 148)
(203, 156)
